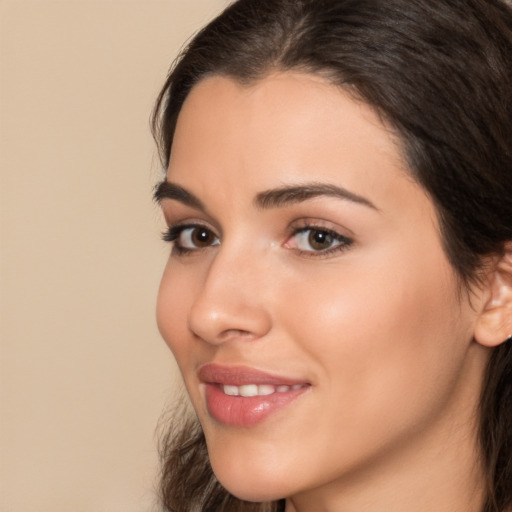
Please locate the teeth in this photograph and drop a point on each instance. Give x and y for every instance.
(248, 390)
(266, 389)
(231, 390)
(257, 390)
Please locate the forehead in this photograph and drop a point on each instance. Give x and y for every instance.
(285, 127)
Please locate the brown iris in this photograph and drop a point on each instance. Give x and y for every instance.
(202, 237)
(319, 240)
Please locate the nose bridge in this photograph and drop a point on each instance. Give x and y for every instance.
(231, 302)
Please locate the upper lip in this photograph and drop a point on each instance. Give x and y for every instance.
(212, 373)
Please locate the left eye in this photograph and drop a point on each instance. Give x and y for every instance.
(317, 240)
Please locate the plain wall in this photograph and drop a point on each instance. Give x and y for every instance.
(84, 373)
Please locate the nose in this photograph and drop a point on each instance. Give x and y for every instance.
(231, 303)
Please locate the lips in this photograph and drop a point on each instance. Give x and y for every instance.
(242, 396)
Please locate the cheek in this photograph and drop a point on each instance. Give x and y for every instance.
(384, 359)
(377, 336)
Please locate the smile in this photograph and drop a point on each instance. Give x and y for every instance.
(243, 397)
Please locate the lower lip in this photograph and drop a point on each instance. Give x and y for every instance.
(240, 411)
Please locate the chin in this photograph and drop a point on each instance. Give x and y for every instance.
(244, 487)
(251, 480)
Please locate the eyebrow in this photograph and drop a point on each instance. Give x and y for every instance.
(273, 198)
(288, 195)
(167, 190)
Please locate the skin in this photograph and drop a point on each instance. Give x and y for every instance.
(379, 328)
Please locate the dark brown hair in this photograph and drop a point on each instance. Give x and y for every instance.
(438, 72)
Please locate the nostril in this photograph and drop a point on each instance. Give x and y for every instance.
(236, 333)
(240, 322)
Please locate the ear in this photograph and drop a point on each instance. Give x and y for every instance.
(494, 325)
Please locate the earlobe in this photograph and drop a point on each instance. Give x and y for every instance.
(494, 325)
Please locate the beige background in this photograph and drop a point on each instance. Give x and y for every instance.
(84, 374)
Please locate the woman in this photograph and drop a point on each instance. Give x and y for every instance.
(339, 290)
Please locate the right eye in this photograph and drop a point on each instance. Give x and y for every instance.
(191, 237)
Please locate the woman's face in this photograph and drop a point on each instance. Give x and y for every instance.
(307, 298)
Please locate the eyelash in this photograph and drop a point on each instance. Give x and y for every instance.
(342, 243)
